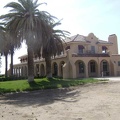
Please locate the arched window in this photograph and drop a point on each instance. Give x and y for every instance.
(105, 66)
(92, 66)
(55, 66)
(81, 67)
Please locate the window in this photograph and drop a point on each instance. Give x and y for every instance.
(68, 47)
(118, 63)
(92, 49)
(81, 67)
(104, 66)
(80, 49)
(92, 67)
(104, 49)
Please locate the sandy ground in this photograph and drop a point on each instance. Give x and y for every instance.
(89, 102)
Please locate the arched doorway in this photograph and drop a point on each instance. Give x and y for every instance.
(92, 68)
(37, 70)
(104, 68)
(22, 71)
(25, 70)
(61, 68)
(55, 69)
(42, 70)
(80, 69)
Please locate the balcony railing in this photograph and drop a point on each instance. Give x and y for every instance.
(90, 55)
(57, 56)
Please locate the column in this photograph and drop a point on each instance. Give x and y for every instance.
(35, 70)
(86, 70)
(73, 70)
(99, 72)
(59, 69)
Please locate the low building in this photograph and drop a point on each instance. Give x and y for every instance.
(83, 56)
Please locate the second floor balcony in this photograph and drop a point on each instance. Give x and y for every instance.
(90, 53)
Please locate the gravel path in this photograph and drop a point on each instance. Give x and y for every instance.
(89, 102)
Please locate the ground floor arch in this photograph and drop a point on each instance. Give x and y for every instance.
(104, 68)
(80, 69)
(37, 70)
(61, 68)
(55, 69)
(42, 70)
(92, 68)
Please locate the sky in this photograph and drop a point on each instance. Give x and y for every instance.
(101, 17)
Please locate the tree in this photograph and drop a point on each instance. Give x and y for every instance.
(0, 63)
(8, 45)
(5, 50)
(52, 46)
(4, 46)
(1, 41)
(25, 22)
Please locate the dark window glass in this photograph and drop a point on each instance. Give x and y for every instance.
(80, 48)
(118, 63)
(81, 67)
(105, 66)
(68, 47)
(92, 67)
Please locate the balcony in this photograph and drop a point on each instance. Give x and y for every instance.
(90, 54)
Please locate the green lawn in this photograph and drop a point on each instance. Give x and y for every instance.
(43, 83)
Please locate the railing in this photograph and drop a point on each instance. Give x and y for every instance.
(90, 55)
(57, 56)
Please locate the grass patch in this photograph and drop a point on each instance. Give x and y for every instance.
(42, 83)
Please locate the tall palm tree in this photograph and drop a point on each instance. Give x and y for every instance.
(8, 47)
(52, 47)
(27, 23)
(0, 63)
(5, 51)
(4, 47)
(1, 42)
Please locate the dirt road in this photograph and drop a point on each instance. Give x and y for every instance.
(88, 102)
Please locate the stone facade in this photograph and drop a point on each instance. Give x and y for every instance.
(84, 56)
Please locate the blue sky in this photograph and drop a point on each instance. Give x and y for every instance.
(102, 17)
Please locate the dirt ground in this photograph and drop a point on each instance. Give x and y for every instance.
(88, 102)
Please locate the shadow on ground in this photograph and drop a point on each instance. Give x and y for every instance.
(40, 97)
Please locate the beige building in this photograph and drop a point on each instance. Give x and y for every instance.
(83, 56)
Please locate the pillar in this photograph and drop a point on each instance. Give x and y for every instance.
(86, 70)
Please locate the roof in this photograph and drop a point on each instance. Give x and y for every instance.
(76, 38)
(104, 42)
(81, 38)
(23, 56)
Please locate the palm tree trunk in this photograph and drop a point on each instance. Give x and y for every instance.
(11, 65)
(6, 66)
(48, 67)
(30, 64)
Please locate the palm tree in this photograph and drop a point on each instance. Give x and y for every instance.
(8, 47)
(52, 47)
(5, 49)
(27, 23)
(0, 63)
(1, 42)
